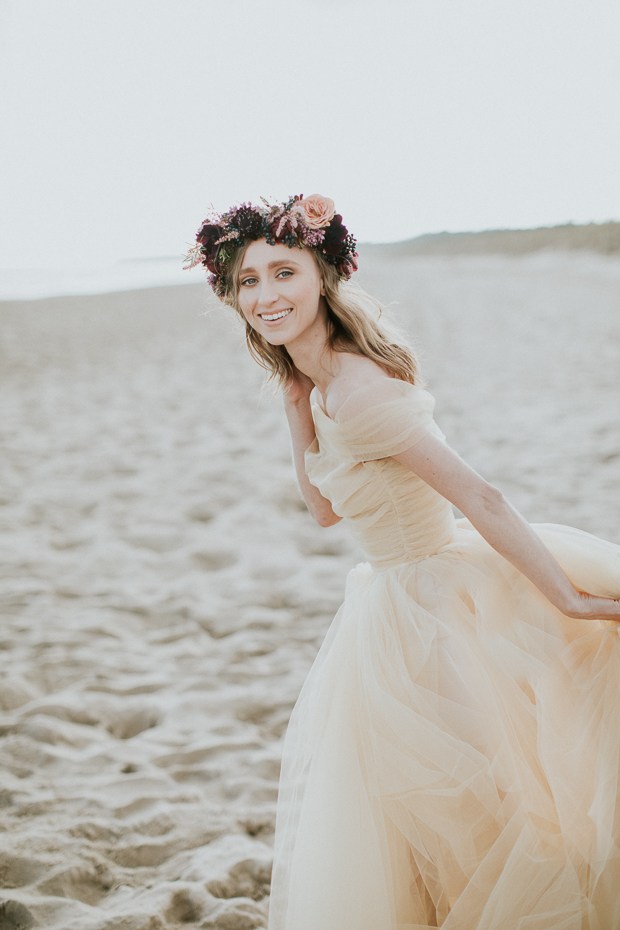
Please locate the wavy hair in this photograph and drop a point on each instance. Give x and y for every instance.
(354, 324)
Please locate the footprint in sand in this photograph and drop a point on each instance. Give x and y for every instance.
(88, 882)
(15, 916)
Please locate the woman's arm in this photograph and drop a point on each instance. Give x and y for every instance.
(301, 425)
(503, 528)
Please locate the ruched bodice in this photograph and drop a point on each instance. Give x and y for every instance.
(394, 516)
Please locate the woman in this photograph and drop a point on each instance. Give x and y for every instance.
(452, 760)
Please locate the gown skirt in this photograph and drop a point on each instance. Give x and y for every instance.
(453, 758)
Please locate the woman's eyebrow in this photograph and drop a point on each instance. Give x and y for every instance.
(275, 264)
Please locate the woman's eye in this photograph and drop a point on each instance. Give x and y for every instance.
(286, 274)
(248, 281)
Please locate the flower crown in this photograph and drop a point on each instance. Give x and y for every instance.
(310, 221)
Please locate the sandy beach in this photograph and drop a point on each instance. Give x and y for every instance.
(164, 590)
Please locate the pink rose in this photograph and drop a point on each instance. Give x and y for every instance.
(315, 211)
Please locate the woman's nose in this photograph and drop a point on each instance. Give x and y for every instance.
(268, 292)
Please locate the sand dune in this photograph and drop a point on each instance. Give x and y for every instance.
(164, 591)
(603, 238)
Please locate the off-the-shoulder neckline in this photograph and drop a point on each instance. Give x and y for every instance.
(362, 387)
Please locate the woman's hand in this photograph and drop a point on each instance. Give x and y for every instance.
(298, 389)
(590, 607)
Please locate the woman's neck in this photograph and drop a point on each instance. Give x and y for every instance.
(312, 355)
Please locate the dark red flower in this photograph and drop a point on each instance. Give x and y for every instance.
(335, 236)
(350, 265)
(282, 226)
(208, 236)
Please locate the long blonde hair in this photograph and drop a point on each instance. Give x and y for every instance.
(354, 325)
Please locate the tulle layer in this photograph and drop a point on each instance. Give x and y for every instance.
(453, 759)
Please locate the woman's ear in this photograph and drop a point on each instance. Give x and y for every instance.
(322, 288)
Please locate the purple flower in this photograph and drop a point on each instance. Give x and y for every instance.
(247, 220)
(312, 237)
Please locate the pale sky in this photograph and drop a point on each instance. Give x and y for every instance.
(123, 120)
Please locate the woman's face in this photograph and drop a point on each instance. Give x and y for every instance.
(280, 292)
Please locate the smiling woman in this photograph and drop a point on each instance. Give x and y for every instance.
(303, 294)
(311, 227)
(452, 760)
(274, 287)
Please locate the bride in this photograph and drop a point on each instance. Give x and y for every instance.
(452, 760)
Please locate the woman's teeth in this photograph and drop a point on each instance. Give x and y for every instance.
(276, 316)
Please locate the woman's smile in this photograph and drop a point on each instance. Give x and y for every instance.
(276, 316)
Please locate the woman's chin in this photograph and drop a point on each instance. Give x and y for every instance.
(274, 339)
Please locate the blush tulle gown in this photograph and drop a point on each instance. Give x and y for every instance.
(452, 760)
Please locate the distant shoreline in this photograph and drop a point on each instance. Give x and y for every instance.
(595, 237)
(167, 271)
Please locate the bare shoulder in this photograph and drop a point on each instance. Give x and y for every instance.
(356, 372)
